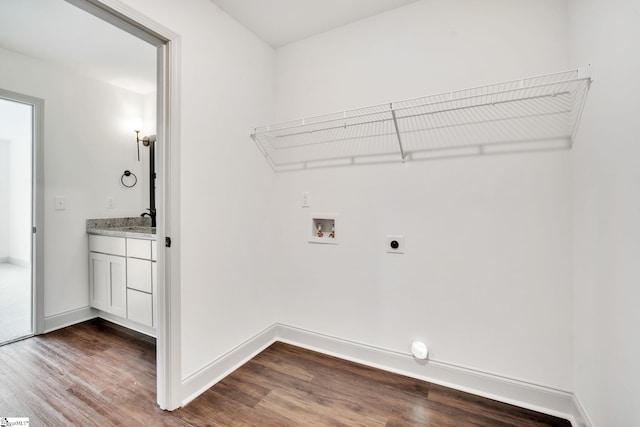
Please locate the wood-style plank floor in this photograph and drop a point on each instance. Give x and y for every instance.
(95, 375)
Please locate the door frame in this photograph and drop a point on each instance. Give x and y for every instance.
(37, 205)
(168, 348)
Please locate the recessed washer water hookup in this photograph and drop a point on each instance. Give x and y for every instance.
(323, 228)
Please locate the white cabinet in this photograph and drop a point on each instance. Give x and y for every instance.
(139, 274)
(108, 291)
(140, 307)
(140, 277)
(140, 281)
(107, 245)
(122, 278)
(138, 248)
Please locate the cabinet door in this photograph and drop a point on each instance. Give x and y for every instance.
(117, 286)
(154, 285)
(138, 248)
(140, 307)
(107, 245)
(98, 281)
(139, 274)
(107, 283)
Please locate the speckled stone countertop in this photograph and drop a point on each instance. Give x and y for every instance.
(138, 227)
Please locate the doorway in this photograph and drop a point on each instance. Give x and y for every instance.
(166, 44)
(20, 266)
(167, 186)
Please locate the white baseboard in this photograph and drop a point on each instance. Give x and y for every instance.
(580, 416)
(531, 396)
(118, 320)
(62, 320)
(19, 262)
(198, 382)
(527, 395)
(15, 261)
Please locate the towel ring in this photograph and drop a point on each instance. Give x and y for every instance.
(129, 173)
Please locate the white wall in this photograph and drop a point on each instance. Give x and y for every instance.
(4, 195)
(486, 278)
(15, 129)
(424, 48)
(20, 195)
(606, 208)
(88, 143)
(226, 186)
(148, 128)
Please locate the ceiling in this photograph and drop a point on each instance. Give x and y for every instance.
(58, 32)
(280, 22)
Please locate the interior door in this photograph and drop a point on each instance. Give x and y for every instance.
(16, 220)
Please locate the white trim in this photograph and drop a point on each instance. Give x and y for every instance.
(37, 214)
(198, 382)
(37, 206)
(580, 416)
(68, 318)
(515, 392)
(169, 297)
(524, 394)
(145, 330)
(19, 262)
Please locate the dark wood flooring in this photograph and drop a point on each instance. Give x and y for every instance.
(95, 375)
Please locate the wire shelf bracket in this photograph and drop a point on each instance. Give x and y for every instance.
(519, 115)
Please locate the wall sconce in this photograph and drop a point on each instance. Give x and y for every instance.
(146, 140)
(150, 141)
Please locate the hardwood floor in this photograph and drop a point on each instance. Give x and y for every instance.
(94, 375)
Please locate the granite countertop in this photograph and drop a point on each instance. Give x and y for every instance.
(135, 227)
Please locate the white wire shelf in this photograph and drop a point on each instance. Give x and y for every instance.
(533, 113)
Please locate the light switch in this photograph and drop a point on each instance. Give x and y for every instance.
(61, 203)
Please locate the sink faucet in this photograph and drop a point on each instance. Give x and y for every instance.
(151, 214)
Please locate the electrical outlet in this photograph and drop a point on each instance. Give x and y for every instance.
(394, 244)
(109, 203)
(305, 199)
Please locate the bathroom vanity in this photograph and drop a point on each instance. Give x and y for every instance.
(123, 272)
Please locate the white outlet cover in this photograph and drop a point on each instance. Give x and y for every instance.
(394, 238)
(61, 203)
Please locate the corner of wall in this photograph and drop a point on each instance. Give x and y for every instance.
(198, 382)
(68, 318)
